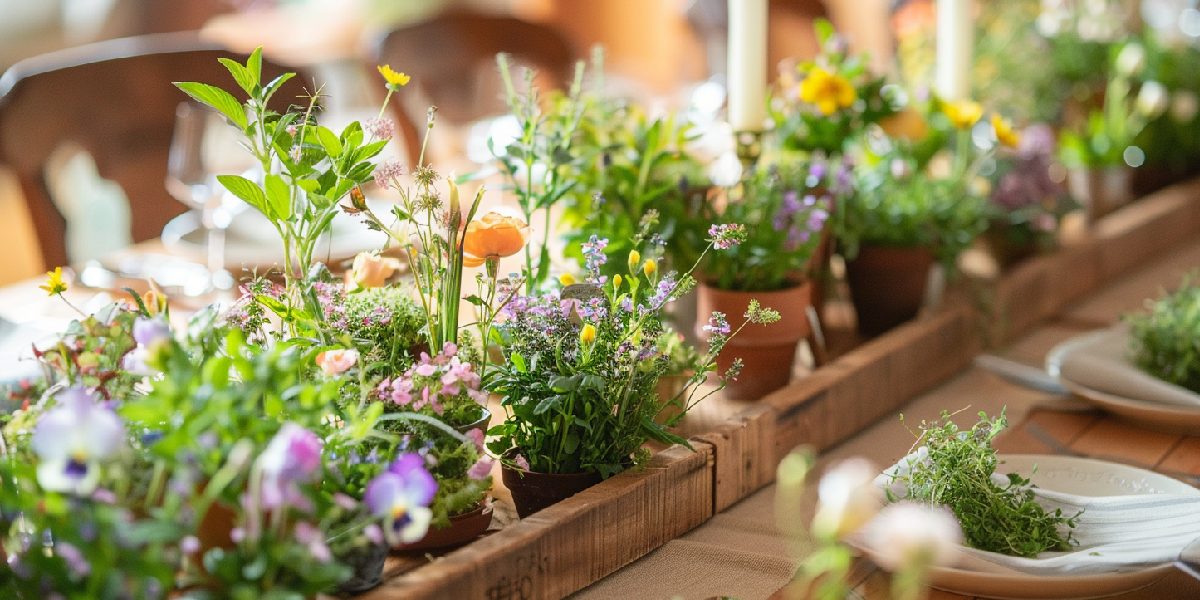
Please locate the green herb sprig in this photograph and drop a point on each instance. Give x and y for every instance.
(958, 472)
(1165, 344)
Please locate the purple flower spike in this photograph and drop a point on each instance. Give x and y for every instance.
(401, 496)
(71, 438)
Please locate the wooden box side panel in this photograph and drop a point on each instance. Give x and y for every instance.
(743, 454)
(576, 542)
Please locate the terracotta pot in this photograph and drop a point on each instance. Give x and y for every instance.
(215, 529)
(463, 529)
(1101, 190)
(767, 352)
(887, 285)
(533, 491)
(367, 563)
(668, 388)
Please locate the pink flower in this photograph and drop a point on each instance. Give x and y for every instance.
(481, 469)
(425, 369)
(476, 435)
(521, 462)
(336, 362)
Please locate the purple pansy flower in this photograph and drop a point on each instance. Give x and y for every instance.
(401, 496)
(292, 457)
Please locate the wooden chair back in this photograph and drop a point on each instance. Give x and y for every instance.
(116, 101)
(443, 54)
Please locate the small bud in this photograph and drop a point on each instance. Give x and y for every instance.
(617, 282)
(567, 279)
(649, 267)
(587, 335)
(635, 259)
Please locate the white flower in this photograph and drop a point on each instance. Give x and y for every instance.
(72, 438)
(848, 498)
(1152, 99)
(1131, 59)
(907, 533)
(1184, 106)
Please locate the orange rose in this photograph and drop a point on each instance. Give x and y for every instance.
(493, 236)
(370, 270)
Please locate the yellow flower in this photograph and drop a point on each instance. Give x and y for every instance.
(617, 282)
(587, 335)
(828, 91)
(566, 279)
(649, 267)
(907, 124)
(635, 259)
(493, 236)
(1004, 132)
(963, 114)
(54, 282)
(395, 80)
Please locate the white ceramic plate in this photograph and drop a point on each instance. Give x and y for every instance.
(1154, 414)
(1079, 476)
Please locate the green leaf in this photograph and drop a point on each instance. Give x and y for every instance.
(518, 361)
(254, 64)
(274, 86)
(546, 404)
(279, 197)
(659, 433)
(247, 191)
(562, 384)
(220, 100)
(329, 141)
(241, 75)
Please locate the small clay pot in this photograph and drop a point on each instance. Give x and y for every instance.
(887, 285)
(1008, 247)
(533, 491)
(768, 352)
(463, 529)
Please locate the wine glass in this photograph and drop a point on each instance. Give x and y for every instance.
(201, 147)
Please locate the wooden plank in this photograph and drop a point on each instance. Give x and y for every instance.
(1113, 439)
(576, 542)
(870, 382)
(743, 450)
(1150, 226)
(1183, 458)
(1045, 432)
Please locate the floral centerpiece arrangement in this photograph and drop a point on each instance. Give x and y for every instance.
(827, 102)
(914, 202)
(791, 203)
(276, 447)
(1026, 204)
(580, 373)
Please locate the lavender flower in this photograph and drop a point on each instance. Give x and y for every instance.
(724, 237)
(401, 496)
(71, 438)
(593, 254)
(717, 324)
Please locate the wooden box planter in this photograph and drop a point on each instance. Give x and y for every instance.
(576, 542)
(581, 540)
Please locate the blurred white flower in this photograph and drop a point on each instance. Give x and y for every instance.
(847, 498)
(1131, 59)
(905, 534)
(1152, 99)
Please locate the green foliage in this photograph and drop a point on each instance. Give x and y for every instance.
(896, 205)
(1165, 340)
(957, 471)
(631, 164)
(387, 326)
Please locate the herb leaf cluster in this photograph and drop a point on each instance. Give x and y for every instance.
(1164, 337)
(957, 472)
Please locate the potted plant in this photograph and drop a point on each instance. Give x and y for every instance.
(1099, 150)
(912, 205)
(580, 373)
(1025, 205)
(790, 203)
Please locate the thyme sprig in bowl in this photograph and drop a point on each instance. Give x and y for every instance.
(957, 468)
(1165, 344)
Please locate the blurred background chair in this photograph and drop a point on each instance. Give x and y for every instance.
(114, 100)
(451, 58)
